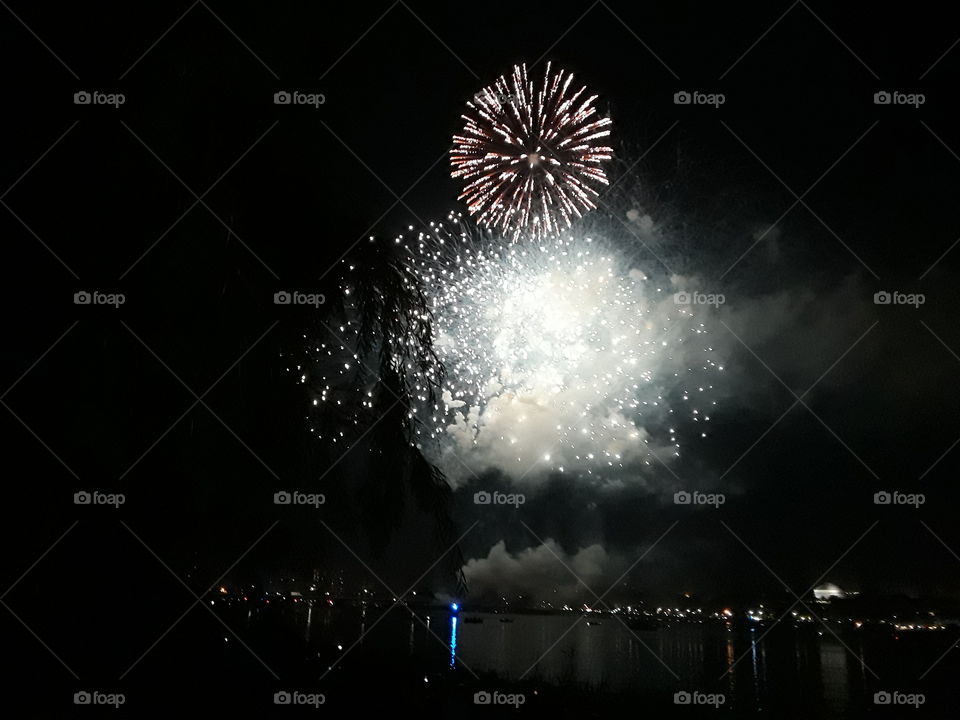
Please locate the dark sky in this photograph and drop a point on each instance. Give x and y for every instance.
(284, 191)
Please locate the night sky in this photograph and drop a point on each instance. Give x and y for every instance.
(199, 198)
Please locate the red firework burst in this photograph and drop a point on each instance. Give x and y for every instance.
(528, 155)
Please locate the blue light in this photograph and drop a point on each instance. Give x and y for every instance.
(454, 606)
(453, 641)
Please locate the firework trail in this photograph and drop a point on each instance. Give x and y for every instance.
(529, 154)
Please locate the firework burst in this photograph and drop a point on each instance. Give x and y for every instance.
(529, 154)
(560, 357)
(556, 356)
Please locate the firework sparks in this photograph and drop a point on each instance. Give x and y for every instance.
(529, 154)
(558, 357)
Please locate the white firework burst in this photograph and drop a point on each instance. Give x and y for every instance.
(554, 356)
(559, 357)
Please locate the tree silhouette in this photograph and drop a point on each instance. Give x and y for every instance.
(374, 291)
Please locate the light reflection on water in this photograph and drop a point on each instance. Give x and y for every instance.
(613, 658)
(753, 669)
(453, 641)
(834, 672)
